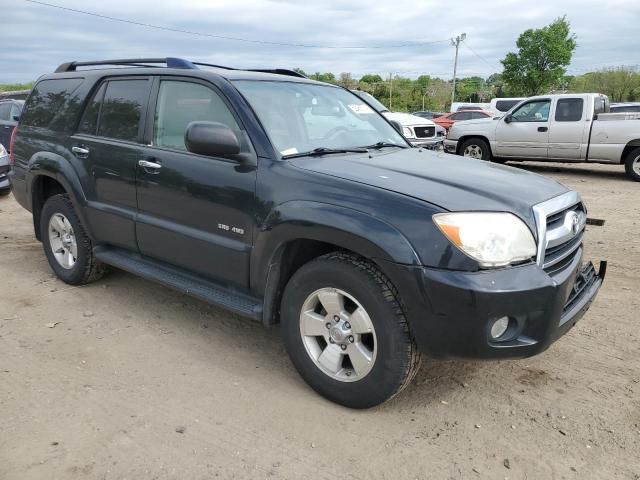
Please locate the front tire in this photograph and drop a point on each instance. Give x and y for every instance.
(632, 164)
(475, 148)
(346, 332)
(66, 244)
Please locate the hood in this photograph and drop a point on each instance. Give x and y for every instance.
(451, 182)
(406, 119)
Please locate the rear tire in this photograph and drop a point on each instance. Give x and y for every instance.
(338, 294)
(68, 248)
(475, 148)
(632, 164)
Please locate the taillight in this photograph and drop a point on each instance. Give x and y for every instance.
(12, 158)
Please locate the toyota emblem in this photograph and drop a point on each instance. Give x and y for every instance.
(575, 222)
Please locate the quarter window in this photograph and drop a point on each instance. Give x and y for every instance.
(569, 109)
(5, 110)
(122, 108)
(180, 103)
(536, 111)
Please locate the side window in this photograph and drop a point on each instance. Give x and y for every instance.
(16, 111)
(569, 110)
(456, 116)
(5, 110)
(89, 122)
(122, 109)
(464, 116)
(536, 111)
(180, 103)
(476, 115)
(52, 104)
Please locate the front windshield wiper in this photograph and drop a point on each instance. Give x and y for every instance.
(380, 145)
(324, 151)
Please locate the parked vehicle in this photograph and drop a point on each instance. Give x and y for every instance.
(5, 188)
(446, 121)
(9, 115)
(421, 132)
(503, 105)
(565, 128)
(368, 252)
(624, 107)
(459, 106)
(428, 115)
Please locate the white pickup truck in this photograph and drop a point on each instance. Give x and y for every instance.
(558, 128)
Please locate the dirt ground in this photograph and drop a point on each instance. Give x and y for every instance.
(136, 381)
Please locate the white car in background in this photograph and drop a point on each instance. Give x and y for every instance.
(420, 132)
(5, 188)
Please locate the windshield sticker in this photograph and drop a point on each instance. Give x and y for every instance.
(360, 108)
(289, 151)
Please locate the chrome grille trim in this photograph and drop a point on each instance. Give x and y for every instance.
(542, 211)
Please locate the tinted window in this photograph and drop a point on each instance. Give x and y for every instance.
(569, 109)
(506, 105)
(89, 122)
(536, 111)
(475, 115)
(52, 104)
(5, 110)
(180, 103)
(122, 109)
(461, 116)
(16, 111)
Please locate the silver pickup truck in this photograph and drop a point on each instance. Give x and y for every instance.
(558, 128)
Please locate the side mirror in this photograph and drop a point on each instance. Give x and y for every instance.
(211, 139)
(16, 118)
(396, 124)
(508, 118)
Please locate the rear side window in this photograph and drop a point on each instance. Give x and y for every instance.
(569, 109)
(122, 108)
(5, 110)
(89, 122)
(52, 104)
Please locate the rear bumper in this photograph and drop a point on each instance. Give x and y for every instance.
(451, 312)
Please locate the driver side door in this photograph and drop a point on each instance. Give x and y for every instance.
(525, 132)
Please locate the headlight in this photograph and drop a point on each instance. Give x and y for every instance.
(492, 239)
(406, 131)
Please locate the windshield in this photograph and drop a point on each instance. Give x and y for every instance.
(302, 117)
(373, 101)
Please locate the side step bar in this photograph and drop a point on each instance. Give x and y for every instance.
(181, 281)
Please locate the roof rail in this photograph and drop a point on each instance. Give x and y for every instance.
(170, 62)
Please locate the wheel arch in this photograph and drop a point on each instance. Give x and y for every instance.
(283, 247)
(469, 136)
(631, 145)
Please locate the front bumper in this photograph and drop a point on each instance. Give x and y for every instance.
(434, 143)
(451, 312)
(450, 146)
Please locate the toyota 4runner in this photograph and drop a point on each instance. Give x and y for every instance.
(292, 201)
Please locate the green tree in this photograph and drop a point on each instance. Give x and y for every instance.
(371, 78)
(541, 59)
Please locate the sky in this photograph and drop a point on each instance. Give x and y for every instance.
(406, 37)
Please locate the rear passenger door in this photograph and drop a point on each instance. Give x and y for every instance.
(569, 131)
(108, 141)
(195, 212)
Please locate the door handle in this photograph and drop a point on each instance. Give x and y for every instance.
(542, 129)
(149, 165)
(80, 151)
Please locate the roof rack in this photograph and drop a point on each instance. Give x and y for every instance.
(168, 62)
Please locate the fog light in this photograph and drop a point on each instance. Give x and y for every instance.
(499, 327)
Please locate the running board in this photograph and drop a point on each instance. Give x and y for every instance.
(181, 281)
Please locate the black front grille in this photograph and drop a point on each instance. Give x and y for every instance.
(424, 132)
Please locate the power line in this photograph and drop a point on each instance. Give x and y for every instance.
(236, 39)
(491, 64)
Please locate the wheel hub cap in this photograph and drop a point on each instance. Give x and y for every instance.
(62, 240)
(338, 334)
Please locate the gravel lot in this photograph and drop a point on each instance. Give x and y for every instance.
(127, 379)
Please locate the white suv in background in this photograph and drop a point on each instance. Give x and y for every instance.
(420, 132)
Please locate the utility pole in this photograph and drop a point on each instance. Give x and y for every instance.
(390, 88)
(456, 43)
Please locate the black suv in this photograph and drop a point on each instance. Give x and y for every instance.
(293, 201)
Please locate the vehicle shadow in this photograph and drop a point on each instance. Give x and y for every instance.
(186, 316)
(572, 170)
